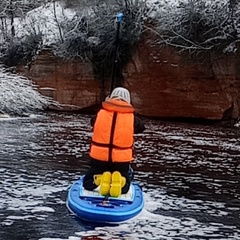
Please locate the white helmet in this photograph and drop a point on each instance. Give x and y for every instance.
(121, 93)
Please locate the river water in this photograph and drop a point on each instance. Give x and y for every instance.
(189, 174)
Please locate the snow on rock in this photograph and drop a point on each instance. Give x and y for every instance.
(18, 96)
(46, 21)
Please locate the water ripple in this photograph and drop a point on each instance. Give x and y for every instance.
(189, 174)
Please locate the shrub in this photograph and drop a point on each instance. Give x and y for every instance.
(23, 50)
(198, 25)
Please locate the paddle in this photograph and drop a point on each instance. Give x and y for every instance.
(119, 20)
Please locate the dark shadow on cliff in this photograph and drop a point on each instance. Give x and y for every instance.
(198, 121)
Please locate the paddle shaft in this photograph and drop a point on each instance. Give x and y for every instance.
(119, 20)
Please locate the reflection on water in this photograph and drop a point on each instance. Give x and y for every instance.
(189, 174)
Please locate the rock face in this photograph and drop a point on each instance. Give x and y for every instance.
(71, 83)
(163, 83)
(167, 84)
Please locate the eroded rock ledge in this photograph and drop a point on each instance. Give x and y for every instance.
(163, 83)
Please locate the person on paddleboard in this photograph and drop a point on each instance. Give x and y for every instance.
(111, 150)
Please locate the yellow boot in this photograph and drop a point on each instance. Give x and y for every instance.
(117, 183)
(105, 183)
(97, 179)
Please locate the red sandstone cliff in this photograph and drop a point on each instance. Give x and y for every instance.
(163, 83)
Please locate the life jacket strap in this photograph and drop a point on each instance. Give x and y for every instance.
(106, 145)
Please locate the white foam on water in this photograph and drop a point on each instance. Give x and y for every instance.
(42, 209)
(154, 222)
(69, 238)
(28, 198)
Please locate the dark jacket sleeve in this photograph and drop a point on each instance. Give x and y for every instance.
(92, 120)
(139, 126)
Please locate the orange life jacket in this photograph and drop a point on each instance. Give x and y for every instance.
(113, 130)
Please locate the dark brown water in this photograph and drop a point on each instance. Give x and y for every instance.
(189, 174)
